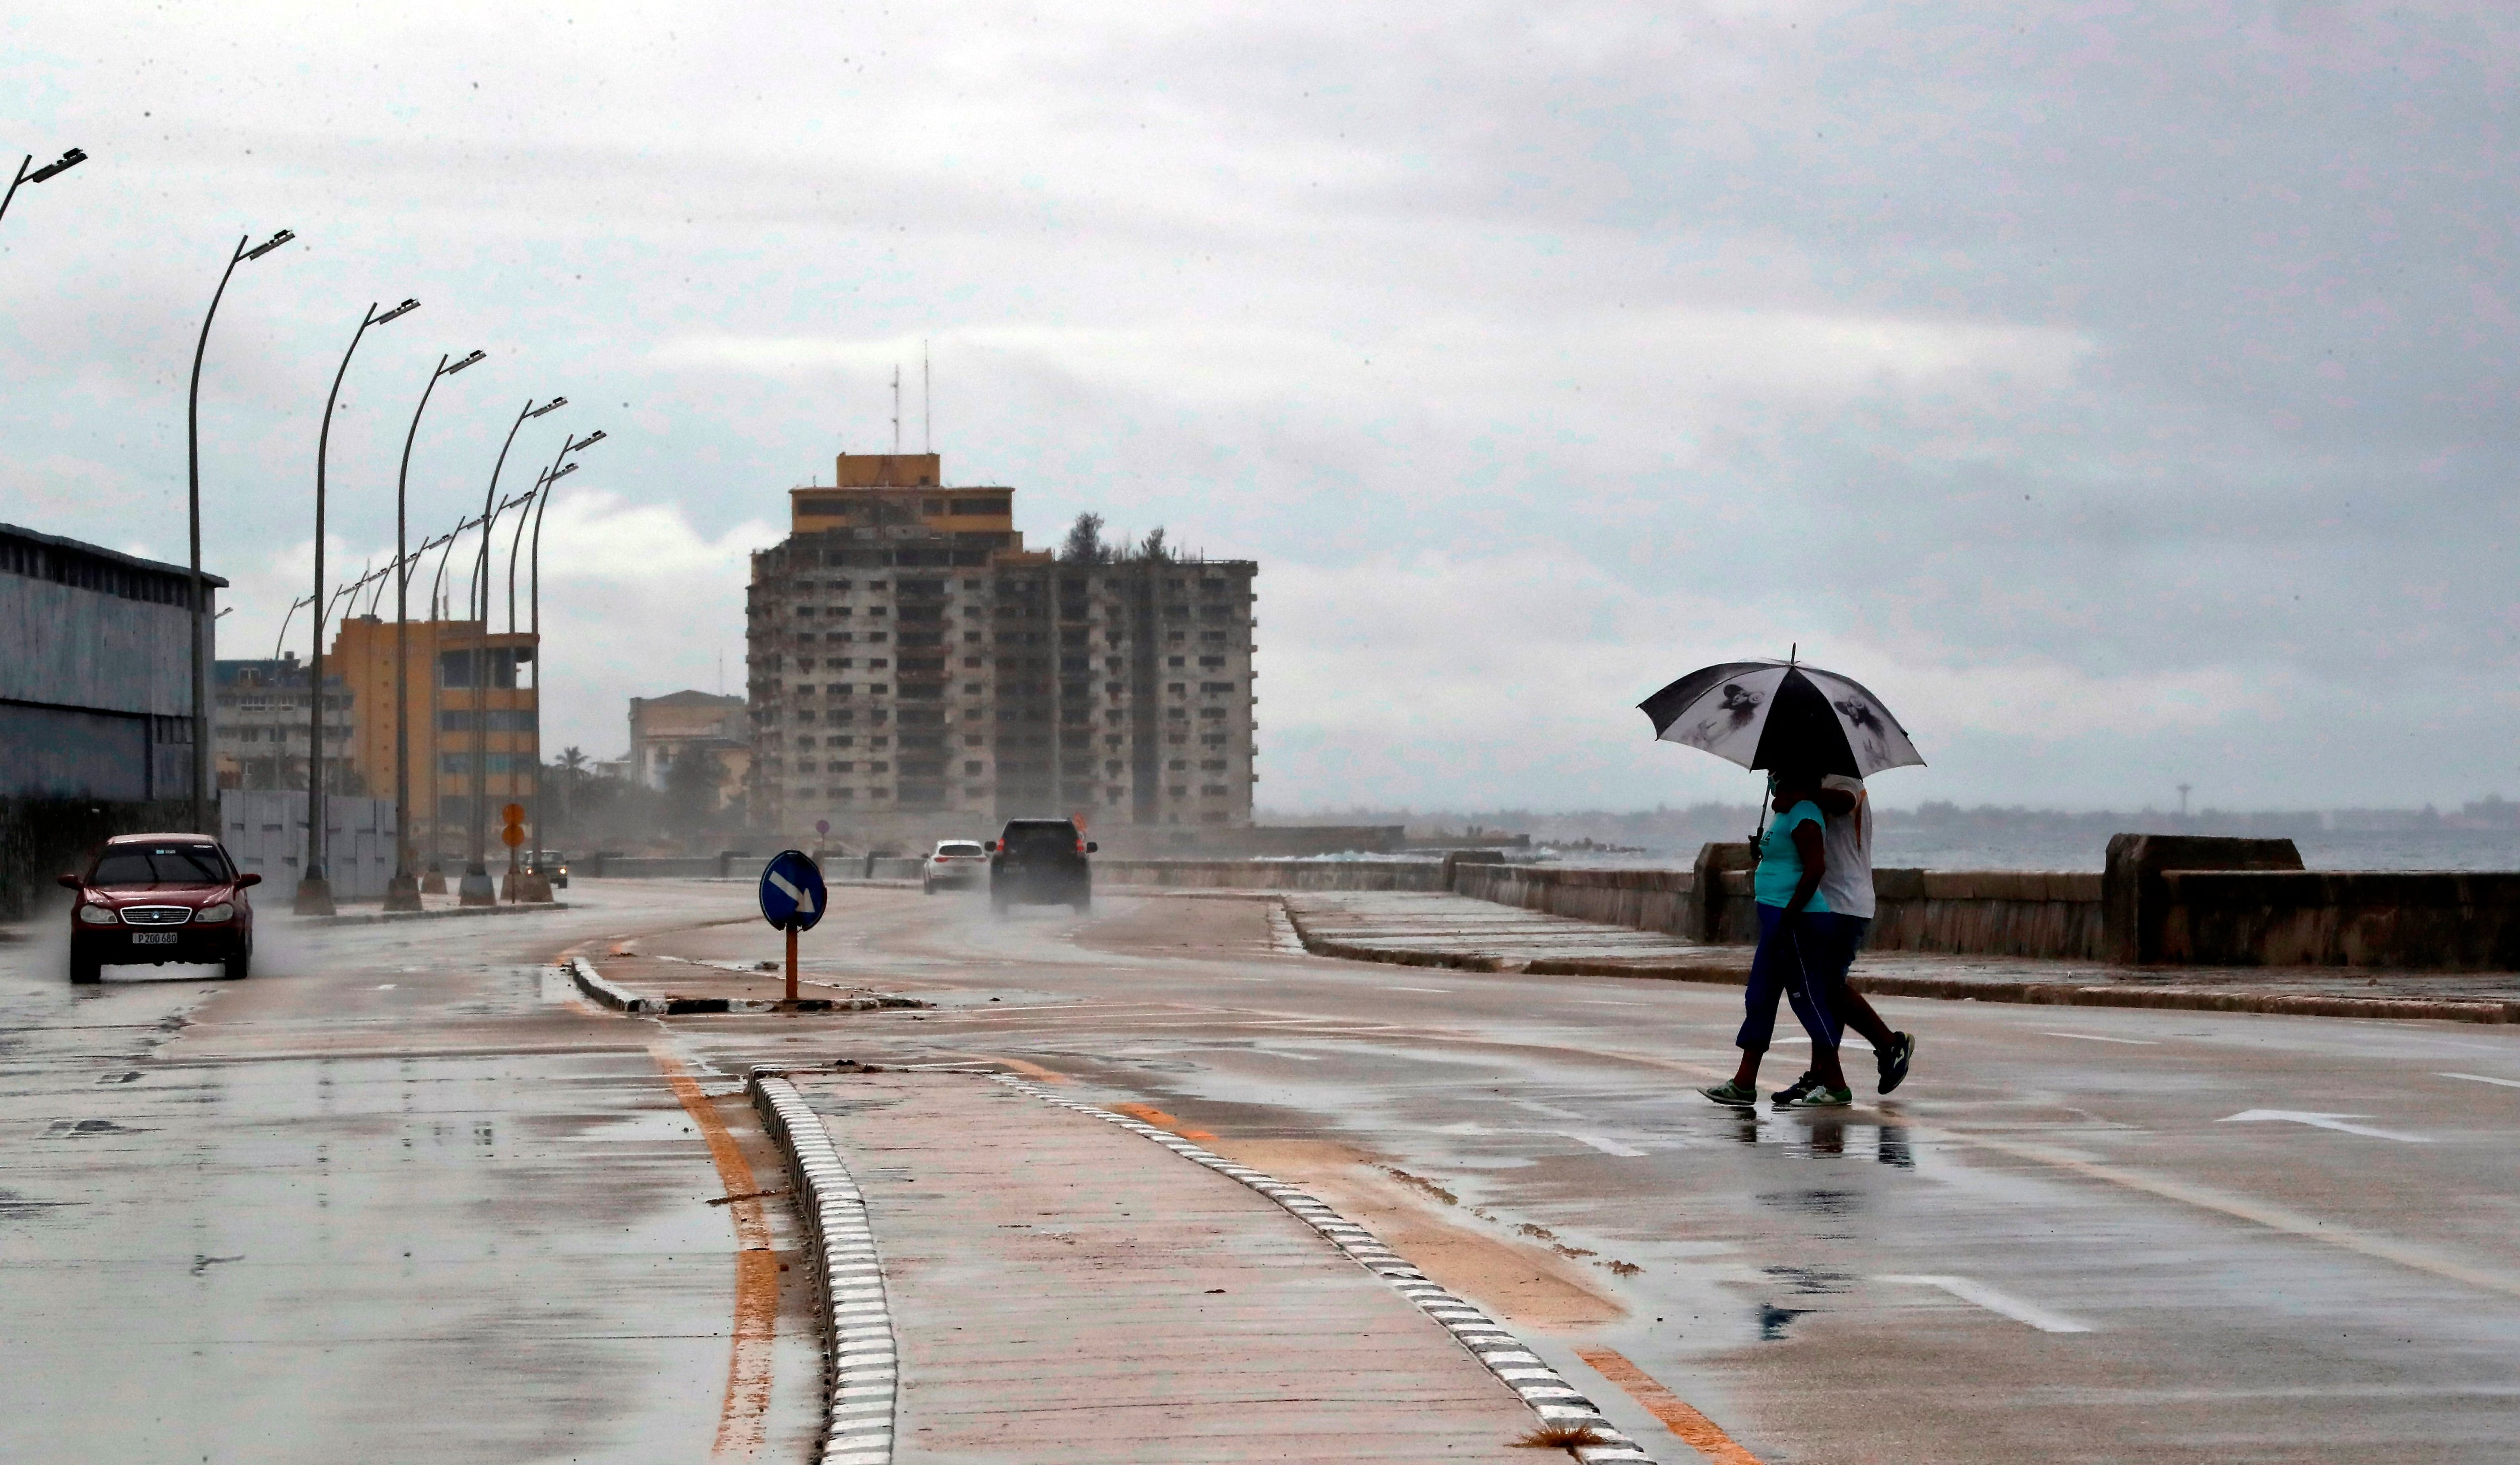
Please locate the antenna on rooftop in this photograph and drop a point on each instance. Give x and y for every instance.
(926, 401)
(896, 409)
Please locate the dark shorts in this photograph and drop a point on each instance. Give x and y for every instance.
(1797, 960)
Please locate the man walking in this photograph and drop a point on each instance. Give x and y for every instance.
(1845, 886)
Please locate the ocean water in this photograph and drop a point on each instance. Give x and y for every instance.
(2327, 849)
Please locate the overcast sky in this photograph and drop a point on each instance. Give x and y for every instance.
(2124, 393)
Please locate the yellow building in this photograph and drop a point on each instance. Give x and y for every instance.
(444, 703)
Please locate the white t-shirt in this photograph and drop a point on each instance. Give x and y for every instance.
(1847, 844)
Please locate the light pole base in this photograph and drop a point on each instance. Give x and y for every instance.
(477, 889)
(315, 897)
(532, 889)
(402, 893)
(433, 883)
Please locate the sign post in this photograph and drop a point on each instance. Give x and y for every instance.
(793, 899)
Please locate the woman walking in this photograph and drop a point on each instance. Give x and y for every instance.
(1794, 955)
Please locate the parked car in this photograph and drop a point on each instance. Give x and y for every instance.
(1040, 862)
(954, 865)
(152, 898)
(551, 863)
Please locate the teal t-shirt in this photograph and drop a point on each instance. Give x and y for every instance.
(1781, 864)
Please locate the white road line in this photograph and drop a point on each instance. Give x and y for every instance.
(1605, 1146)
(2094, 1037)
(1444, 989)
(2336, 1121)
(2481, 1078)
(1970, 1290)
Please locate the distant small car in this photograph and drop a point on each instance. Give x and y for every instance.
(1041, 863)
(551, 863)
(152, 898)
(954, 865)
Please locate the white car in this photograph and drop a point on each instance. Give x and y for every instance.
(955, 864)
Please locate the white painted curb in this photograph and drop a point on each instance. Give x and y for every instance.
(593, 984)
(861, 1370)
(1515, 1365)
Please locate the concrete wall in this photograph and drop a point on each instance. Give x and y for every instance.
(1274, 875)
(265, 832)
(2433, 920)
(1644, 900)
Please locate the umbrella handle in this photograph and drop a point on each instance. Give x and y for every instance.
(1759, 835)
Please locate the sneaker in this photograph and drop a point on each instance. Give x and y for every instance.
(1733, 1095)
(1894, 1061)
(1794, 1090)
(1817, 1096)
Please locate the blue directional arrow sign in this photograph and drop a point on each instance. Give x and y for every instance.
(792, 890)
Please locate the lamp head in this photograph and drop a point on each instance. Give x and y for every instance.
(69, 160)
(563, 472)
(554, 405)
(590, 440)
(405, 309)
(269, 245)
(473, 359)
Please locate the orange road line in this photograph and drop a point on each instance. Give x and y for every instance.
(756, 1273)
(1702, 1434)
(1151, 1115)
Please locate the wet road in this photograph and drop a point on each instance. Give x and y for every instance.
(2076, 1235)
(401, 1197)
(398, 1197)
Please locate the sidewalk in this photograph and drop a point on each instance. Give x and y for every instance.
(1458, 930)
(1063, 1290)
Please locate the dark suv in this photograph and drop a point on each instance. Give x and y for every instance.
(150, 899)
(1040, 862)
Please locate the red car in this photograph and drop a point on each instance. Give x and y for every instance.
(159, 897)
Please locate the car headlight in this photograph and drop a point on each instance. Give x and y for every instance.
(99, 915)
(223, 911)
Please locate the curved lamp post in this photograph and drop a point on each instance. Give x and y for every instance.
(204, 821)
(402, 893)
(534, 599)
(314, 890)
(477, 889)
(68, 161)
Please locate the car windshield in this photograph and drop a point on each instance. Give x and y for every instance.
(960, 846)
(1042, 837)
(159, 864)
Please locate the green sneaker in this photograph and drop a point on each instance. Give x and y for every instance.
(1733, 1095)
(1817, 1096)
(1786, 1095)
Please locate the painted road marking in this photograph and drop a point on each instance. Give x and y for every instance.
(2336, 1121)
(2094, 1037)
(1445, 989)
(1605, 1146)
(2481, 1078)
(740, 1421)
(1694, 1430)
(1970, 1290)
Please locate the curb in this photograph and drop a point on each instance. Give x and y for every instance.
(613, 994)
(451, 912)
(1959, 989)
(621, 998)
(1539, 1385)
(860, 1368)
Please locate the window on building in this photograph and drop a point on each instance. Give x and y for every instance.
(1175, 661)
(1175, 688)
(1177, 792)
(1211, 661)
(841, 767)
(975, 768)
(1213, 688)
(1179, 764)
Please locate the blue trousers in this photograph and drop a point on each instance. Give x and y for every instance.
(1796, 960)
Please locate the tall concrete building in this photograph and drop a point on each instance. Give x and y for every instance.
(915, 672)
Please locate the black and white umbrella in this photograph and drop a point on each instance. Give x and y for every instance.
(1779, 714)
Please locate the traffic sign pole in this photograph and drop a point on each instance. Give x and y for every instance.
(791, 963)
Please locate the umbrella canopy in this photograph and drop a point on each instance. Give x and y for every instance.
(1778, 715)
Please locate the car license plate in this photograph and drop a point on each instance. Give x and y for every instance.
(153, 937)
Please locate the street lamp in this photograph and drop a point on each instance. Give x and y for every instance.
(534, 599)
(204, 822)
(314, 892)
(402, 893)
(477, 889)
(68, 161)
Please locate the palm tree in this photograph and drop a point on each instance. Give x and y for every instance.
(572, 763)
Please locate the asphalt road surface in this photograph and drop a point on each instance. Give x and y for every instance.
(2078, 1234)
